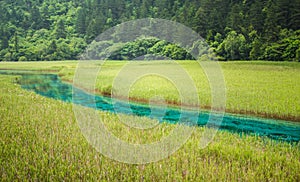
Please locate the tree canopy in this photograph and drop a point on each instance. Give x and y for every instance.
(236, 30)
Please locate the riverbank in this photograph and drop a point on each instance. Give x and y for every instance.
(263, 89)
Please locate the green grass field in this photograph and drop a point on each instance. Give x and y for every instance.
(267, 89)
(42, 142)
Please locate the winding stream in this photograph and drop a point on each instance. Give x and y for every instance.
(50, 85)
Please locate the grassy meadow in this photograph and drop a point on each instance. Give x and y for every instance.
(41, 141)
(266, 89)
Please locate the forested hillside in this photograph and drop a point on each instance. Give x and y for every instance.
(236, 30)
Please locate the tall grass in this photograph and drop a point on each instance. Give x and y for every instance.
(262, 89)
(267, 89)
(41, 141)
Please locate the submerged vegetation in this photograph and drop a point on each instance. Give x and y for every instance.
(44, 142)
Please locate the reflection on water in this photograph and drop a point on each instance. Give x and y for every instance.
(51, 86)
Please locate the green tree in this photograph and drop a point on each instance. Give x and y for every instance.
(236, 18)
(22, 59)
(257, 16)
(234, 46)
(4, 37)
(35, 18)
(52, 47)
(200, 22)
(271, 25)
(294, 22)
(283, 12)
(81, 23)
(16, 43)
(274, 52)
(174, 52)
(60, 30)
(298, 55)
(256, 49)
(144, 10)
(91, 32)
(38, 23)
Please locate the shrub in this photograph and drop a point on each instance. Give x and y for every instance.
(23, 58)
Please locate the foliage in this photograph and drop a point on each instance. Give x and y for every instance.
(285, 48)
(28, 27)
(22, 58)
(150, 49)
(233, 47)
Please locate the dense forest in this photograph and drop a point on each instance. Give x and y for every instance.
(34, 30)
